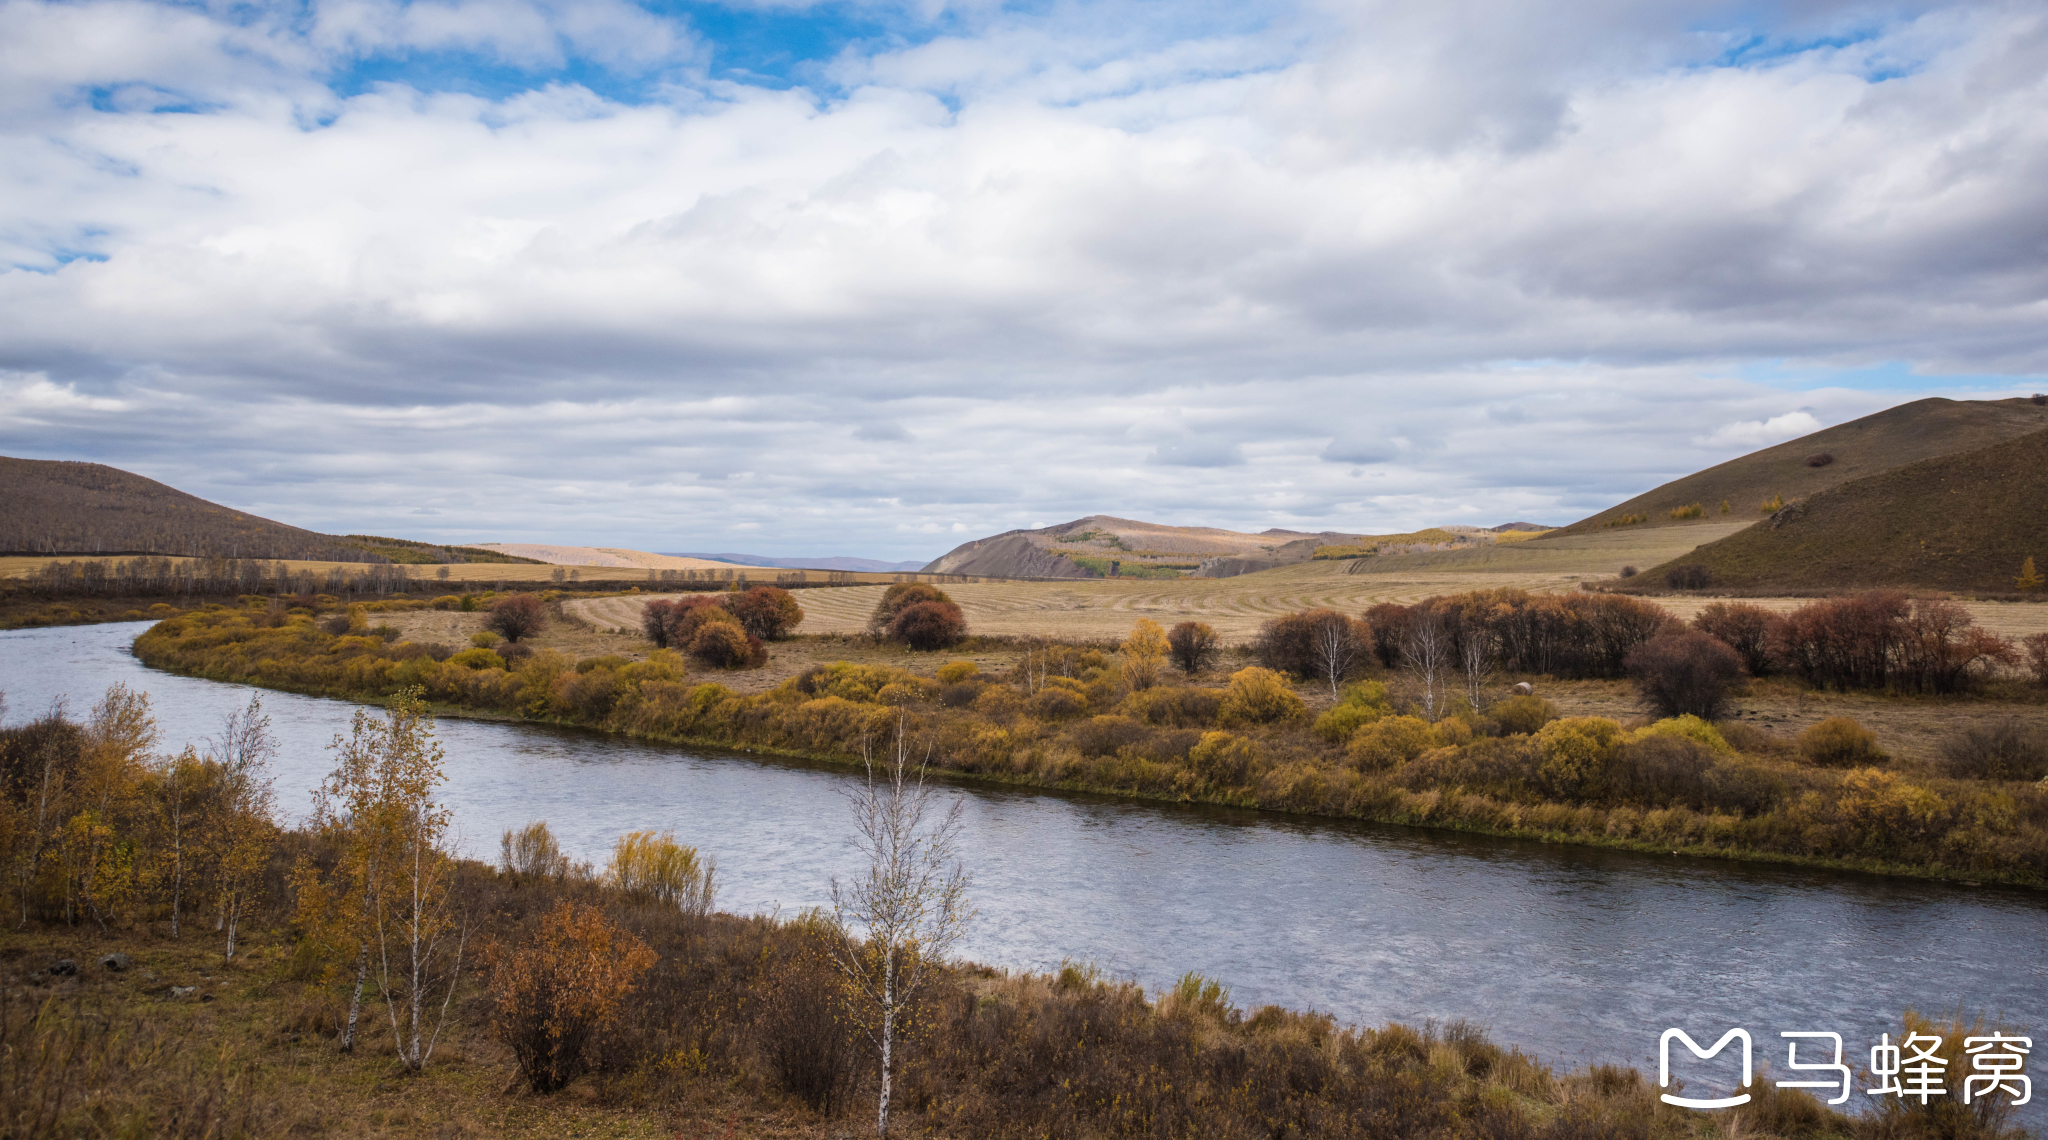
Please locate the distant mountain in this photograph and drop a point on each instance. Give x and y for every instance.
(1885, 441)
(1955, 522)
(1520, 526)
(58, 507)
(1103, 546)
(838, 562)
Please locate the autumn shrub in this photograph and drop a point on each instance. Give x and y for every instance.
(1174, 706)
(765, 612)
(1314, 644)
(1193, 645)
(556, 995)
(898, 598)
(1743, 627)
(1819, 459)
(1103, 735)
(651, 868)
(805, 1029)
(1389, 741)
(1685, 674)
(1839, 742)
(1224, 759)
(1258, 696)
(1575, 752)
(516, 616)
(1055, 703)
(531, 852)
(954, 672)
(1691, 728)
(1362, 704)
(1525, 713)
(927, 626)
(1660, 770)
(1884, 639)
(477, 659)
(2007, 750)
(724, 645)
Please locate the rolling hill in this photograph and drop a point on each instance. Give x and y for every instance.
(1103, 546)
(62, 508)
(1893, 438)
(1964, 521)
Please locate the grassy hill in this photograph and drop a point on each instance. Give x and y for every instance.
(1957, 522)
(1895, 437)
(55, 507)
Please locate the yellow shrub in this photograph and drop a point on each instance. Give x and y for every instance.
(1575, 749)
(1451, 732)
(477, 659)
(1688, 727)
(1839, 742)
(1523, 714)
(954, 672)
(1258, 696)
(1223, 759)
(1391, 740)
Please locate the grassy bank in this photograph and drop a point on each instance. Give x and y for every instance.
(1066, 719)
(737, 1029)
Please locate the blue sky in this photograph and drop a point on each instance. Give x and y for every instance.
(875, 278)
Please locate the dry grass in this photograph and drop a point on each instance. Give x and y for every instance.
(23, 566)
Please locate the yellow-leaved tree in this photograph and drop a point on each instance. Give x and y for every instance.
(2030, 578)
(1144, 654)
(388, 902)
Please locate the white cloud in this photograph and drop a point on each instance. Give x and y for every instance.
(1751, 434)
(1039, 267)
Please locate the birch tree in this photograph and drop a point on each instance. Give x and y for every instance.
(907, 909)
(242, 825)
(1337, 644)
(389, 900)
(1426, 651)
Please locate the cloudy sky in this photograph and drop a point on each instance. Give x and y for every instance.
(876, 276)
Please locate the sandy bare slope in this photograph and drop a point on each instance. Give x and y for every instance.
(610, 556)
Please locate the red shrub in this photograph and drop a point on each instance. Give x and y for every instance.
(1682, 674)
(767, 612)
(724, 645)
(898, 598)
(1743, 627)
(928, 625)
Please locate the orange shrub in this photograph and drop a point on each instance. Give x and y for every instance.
(555, 997)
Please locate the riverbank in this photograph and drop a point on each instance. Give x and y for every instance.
(1744, 796)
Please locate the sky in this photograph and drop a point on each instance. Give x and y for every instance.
(875, 277)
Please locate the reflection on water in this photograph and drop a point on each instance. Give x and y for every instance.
(1572, 953)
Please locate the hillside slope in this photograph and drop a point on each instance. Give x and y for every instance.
(56, 507)
(1909, 433)
(1103, 545)
(1958, 522)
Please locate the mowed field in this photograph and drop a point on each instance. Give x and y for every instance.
(493, 572)
(1097, 609)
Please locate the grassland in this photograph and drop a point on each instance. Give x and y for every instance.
(1958, 522)
(1909, 433)
(23, 566)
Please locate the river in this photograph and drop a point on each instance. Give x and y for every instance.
(1571, 953)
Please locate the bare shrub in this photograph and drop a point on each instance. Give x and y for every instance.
(1689, 576)
(1320, 644)
(555, 996)
(1055, 704)
(1839, 742)
(1629, 571)
(1884, 639)
(1685, 674)
(1819, 459)
(517, 616)
(656, 617)
(2008, 750)
(2036, 648)
(1193, 645)
(1743, 627)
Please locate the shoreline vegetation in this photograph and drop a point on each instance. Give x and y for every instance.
(354, 977)
(1076, 718)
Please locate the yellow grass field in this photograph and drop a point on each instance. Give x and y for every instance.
(1106, 608)
(486, 572)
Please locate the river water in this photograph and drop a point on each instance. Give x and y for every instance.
(1573, 954)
